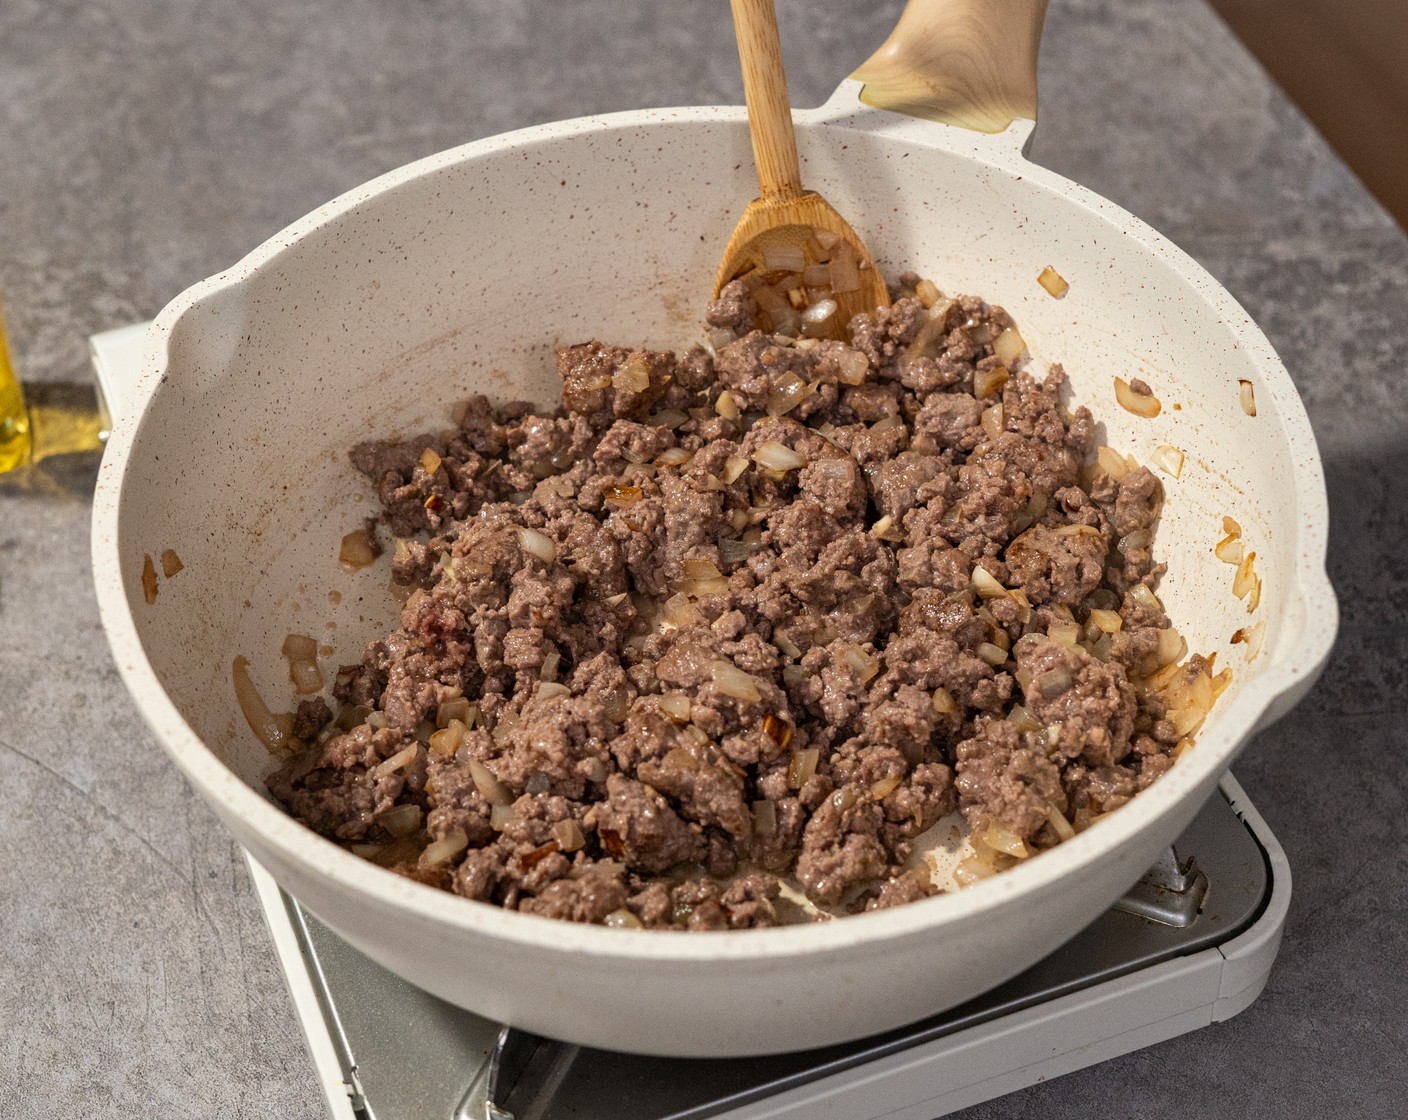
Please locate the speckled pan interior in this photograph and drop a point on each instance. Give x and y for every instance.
(460, 274)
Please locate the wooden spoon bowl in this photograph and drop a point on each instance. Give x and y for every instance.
(801, 260)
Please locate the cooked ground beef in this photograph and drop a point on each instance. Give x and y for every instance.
(759, 612)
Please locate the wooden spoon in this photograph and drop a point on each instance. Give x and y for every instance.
(787, 228)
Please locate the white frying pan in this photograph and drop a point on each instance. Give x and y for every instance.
(459, 274)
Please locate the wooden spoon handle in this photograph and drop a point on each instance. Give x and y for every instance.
(765, 90)
(970, 63)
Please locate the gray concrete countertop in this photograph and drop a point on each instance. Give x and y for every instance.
(145, 144)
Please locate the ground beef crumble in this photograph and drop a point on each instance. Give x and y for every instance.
(674, 643)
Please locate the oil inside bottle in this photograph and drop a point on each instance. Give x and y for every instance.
(56, 419)
(15, 440)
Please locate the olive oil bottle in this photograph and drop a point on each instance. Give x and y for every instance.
(15, 440)
(56, 419)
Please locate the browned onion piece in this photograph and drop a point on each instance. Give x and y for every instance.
(1245, 578)
(1141, 404)
(1054, 283)
(986, 382)
(274, 731)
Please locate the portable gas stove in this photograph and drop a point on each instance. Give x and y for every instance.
(1191, 943)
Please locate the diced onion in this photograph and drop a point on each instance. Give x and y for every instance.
(1172, 646)
(569, 835)
(986, 382)
(1004, 840)
(442, 851)
(986, 584)
(1054, 283)
(778, 730)
(401, 820)
(1254, 599)
(882, 789)
(698, 588)
(726, 406)
(1229, 550)
(776, 456)
(679, 612)
(1108, 621)
(445, 742)
(852, 366)
(787, 392)
(621, 495)
(1059, 823)
(499, 816)
(886, 530)
(1252, 636)
(1008, 346)
(845, 275)
(995, 656)
(1168, 459)
(1230, 527)
(622, 919)
(398, 761)
(1245, 578)
(818, 318)
(764, 818)
(734, 466)
(1022, 719)
(1064, 633)
(784, 258)
(864, 665)
(1246, 396)
(548, 671)
(674, 457)
(1112, 462)
(536, 544)
(676, 705)
(550, 689)
(943, 702)
(429, 461)
(970, 869)
(677, 758)
(489, 787)
(1140, 538)
(802, 767)
(719, 337)
(1141, 404)
(1144, 595)
(670, 418)
(699, 569)
(274, 731)
(733, 681)
(458, 708)
(634, 376)
(993, 420)
(928, 293)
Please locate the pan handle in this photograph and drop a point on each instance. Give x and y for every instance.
(970, 63)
